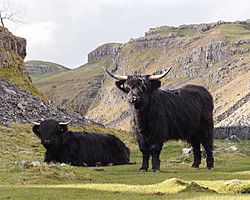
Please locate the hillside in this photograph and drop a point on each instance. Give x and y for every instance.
(37, 67)
(19, 99)
(215, 55)
(71, 90)
(76, 89)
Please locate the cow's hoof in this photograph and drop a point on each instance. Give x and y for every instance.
(156, 170)
(143, 170)
(210, 167)
(195, 165)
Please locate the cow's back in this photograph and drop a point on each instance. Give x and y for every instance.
(205, 101)
(97, 148)
(183, 110)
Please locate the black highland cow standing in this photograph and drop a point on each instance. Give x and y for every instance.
(79, 148)
(161, 115)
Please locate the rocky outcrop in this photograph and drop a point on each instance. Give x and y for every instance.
(110, 50)
(12, 54)
(11, 47)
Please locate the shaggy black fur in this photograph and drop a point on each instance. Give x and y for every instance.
(80, 148)
(161, 115)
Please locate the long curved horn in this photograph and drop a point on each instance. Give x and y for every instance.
(35, 123)
(159, 76)
(65, 123)
(117, 77)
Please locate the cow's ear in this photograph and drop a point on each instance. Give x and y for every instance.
(36, 130)
(63, 127)
(155, 84)
(120, 85)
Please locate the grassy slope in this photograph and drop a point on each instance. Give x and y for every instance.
(52, 181)
(46, 63)
(14, 75)
(226, 96)
(78, 74)
(55, 69)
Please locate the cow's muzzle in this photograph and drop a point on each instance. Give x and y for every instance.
(134, 99)
(47, 142)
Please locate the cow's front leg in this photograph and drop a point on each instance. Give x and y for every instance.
(49, 157)
(145, 160)
(156, 151)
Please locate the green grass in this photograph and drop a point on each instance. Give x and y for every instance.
(165, 30)
(52, 181)
(83, 73)
(20, 79)
(229, 31)
(234, 31)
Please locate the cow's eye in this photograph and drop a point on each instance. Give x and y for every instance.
(139, 83)
(127, 89)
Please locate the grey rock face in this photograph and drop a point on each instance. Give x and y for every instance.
(10, 44)
(110, 49)
(40, 69)
(215, 51)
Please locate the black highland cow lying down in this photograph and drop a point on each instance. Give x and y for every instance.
(79, 148)
(161, 115)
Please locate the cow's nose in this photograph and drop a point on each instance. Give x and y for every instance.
(135, 99)
(47, 142)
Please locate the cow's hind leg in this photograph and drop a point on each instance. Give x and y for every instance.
(156, 158)
(197, 154)
(208, 146)
(209, 151)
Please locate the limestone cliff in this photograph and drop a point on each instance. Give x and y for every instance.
(107, 50)
(11, 47)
